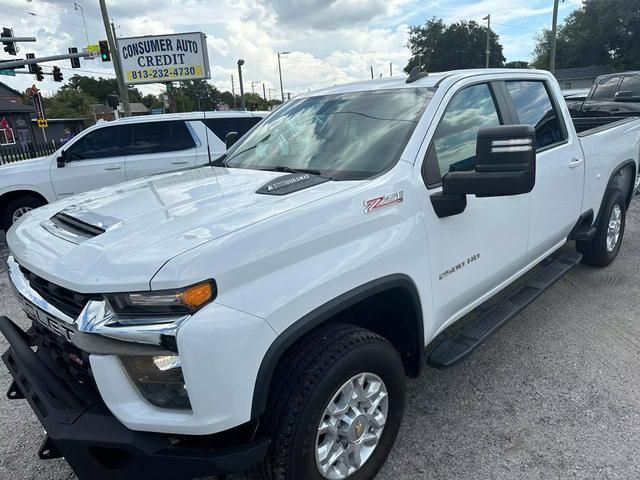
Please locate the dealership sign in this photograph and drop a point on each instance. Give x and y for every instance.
(164, 58)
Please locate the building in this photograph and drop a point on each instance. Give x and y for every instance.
(62, 130)
(577, 78)
(16, 129)
(105, 112)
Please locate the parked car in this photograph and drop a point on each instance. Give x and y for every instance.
(113, 152)
(611, 97)
(264, 311)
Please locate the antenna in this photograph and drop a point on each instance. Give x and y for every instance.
(206, 134)
(416, 74)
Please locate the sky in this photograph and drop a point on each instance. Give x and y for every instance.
(331, 41)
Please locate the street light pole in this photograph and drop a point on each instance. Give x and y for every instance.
(280, 72)
(240, 63)
(488, 51)
(264, 91)
(554, 32)
(79, 7)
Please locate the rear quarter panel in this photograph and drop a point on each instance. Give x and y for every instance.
(605, 151)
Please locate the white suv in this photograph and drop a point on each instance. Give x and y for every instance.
(113, 152)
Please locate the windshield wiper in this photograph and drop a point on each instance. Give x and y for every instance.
(286, 169)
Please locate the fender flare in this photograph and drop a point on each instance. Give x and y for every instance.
(323, 314)
(616, 170)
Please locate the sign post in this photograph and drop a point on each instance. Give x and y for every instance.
(35, 95)
(164, 58)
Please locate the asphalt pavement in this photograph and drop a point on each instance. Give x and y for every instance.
(555, 394)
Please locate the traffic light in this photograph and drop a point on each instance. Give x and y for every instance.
(38, 72)
(32, 66)
(75, 62)
(104, 51)
(57, 74)
(9, 47)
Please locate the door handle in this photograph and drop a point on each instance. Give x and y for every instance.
(576, 162)
(179, 162)
(114, 167)
(615, 109)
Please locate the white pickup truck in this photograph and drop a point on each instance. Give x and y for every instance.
(263, 313)
(109, 153)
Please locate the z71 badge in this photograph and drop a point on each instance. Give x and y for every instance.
(379, 202)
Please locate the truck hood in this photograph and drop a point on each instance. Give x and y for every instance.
(133, 229)
(24, 166)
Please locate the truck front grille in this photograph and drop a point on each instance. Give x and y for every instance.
(67, 301)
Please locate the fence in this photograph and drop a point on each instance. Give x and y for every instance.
(15, 153)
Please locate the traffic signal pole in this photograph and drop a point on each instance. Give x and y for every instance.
(31, 61)
(122, 88)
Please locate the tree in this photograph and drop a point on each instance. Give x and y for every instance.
(517, 64)
(439, 47)
(69, 104)
(602, 32)
(99, 88)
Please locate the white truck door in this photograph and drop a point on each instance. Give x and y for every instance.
(160, 146)
(556, 199)
(96, 159)
(472, 253)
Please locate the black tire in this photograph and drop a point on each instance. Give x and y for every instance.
(304, 384)
(13, 206)
(595, 251)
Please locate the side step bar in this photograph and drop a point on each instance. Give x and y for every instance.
(453, 349)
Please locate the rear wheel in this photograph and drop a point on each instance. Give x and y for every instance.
(336, 407)
(18, 207)
(603, 248)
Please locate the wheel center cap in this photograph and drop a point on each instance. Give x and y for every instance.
(358, 428)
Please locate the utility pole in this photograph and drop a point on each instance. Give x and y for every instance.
(488, 51)
(233, 92)
(390, 69)
(115, 55)
(554, 32)
(371, 72)
(280, 72)
(240, 63)
(264, 91)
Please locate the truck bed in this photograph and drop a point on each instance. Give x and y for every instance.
(590, 125)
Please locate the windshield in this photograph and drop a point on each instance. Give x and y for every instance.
(348, 136)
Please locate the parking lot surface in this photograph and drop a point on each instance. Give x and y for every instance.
(555, 394)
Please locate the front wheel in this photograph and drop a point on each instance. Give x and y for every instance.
(336, 407)
(603, 248)
(17, 208)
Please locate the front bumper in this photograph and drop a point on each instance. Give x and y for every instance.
(96, 445)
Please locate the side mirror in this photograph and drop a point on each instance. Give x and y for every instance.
(230, 139)
(505, 165)
(623, 96)
(63, 159)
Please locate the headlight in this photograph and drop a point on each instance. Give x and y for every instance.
(159, 380)
(163, 302)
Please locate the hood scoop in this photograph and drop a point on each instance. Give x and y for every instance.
(77, 225)
(291, 183)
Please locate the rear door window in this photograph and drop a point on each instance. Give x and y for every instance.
(534, 107)
(161, 137)
(605, 89)
(221, 126)
(631, 84)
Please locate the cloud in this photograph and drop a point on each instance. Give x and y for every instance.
(332, 41)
